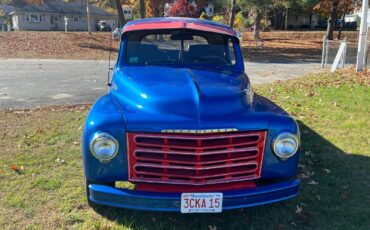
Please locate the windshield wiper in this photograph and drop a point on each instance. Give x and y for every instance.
(162, 62)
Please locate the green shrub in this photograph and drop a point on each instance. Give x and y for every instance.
(241, 23)
(219, 18)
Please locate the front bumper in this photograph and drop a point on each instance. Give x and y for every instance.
(154, 201)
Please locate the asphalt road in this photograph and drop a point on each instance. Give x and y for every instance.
(36, 83)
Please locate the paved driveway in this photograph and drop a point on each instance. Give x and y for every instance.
(32, 83)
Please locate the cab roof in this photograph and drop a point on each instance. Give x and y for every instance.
(178, 23)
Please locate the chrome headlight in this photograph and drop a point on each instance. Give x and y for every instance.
(104, 146)
(285, 145)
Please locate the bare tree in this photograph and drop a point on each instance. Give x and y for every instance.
(142, 8)
(121, 16)
(232, 13)
(257, 25)
(331, 21)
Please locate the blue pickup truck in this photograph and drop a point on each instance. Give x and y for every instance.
(182, 124)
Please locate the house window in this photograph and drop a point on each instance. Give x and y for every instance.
(76, 18)
(33, 18)
(56, 18)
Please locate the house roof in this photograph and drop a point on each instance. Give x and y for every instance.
(178, 23)
(6, 8)
(62, 8)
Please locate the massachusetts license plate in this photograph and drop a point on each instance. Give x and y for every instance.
(201, 202)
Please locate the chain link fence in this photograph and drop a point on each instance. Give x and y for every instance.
(331, 47)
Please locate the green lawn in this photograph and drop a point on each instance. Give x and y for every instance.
(42, 183)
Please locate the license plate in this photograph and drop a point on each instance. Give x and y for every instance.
(201, 202)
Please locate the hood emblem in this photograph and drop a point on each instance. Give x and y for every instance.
(197, 131)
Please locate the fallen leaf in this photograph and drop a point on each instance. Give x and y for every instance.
(301, 214)
(300, 166)
(310, 94)
(211, 227)
(298, 209)
(60, 161)
(16, 168)
(312, 182)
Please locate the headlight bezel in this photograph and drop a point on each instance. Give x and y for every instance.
(98, 137)
(281, 136)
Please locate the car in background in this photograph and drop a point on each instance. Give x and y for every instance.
(322, 25)
(182, 124)
(103, 26)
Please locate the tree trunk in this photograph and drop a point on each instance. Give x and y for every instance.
(257, 25)
(232, 14)
(121, 16)
(142, 9)
(331, 22)
(341, 28)
(342, 25)
(286, 18)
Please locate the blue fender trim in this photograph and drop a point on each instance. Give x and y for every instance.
(123, 198)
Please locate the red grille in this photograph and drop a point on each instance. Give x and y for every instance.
(195, 159)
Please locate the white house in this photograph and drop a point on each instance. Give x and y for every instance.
(50, 16)
(209, 10)
(359, 14)
(303, 20)
(127, 12)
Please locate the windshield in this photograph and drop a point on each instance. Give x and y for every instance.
(179, 47)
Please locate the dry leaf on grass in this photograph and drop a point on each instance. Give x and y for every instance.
(16, 168)
(301, 214)
(212, 227)
(312, 182)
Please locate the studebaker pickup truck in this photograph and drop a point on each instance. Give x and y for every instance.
(182, 124)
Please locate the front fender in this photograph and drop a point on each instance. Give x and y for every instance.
(272, 166)
(105, 116)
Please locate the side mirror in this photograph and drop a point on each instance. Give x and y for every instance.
(116, 34)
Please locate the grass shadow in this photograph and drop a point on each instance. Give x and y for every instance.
(343, 181)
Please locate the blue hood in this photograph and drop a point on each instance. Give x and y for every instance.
(155, 98)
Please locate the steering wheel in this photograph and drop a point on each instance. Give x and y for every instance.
(217, 59)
